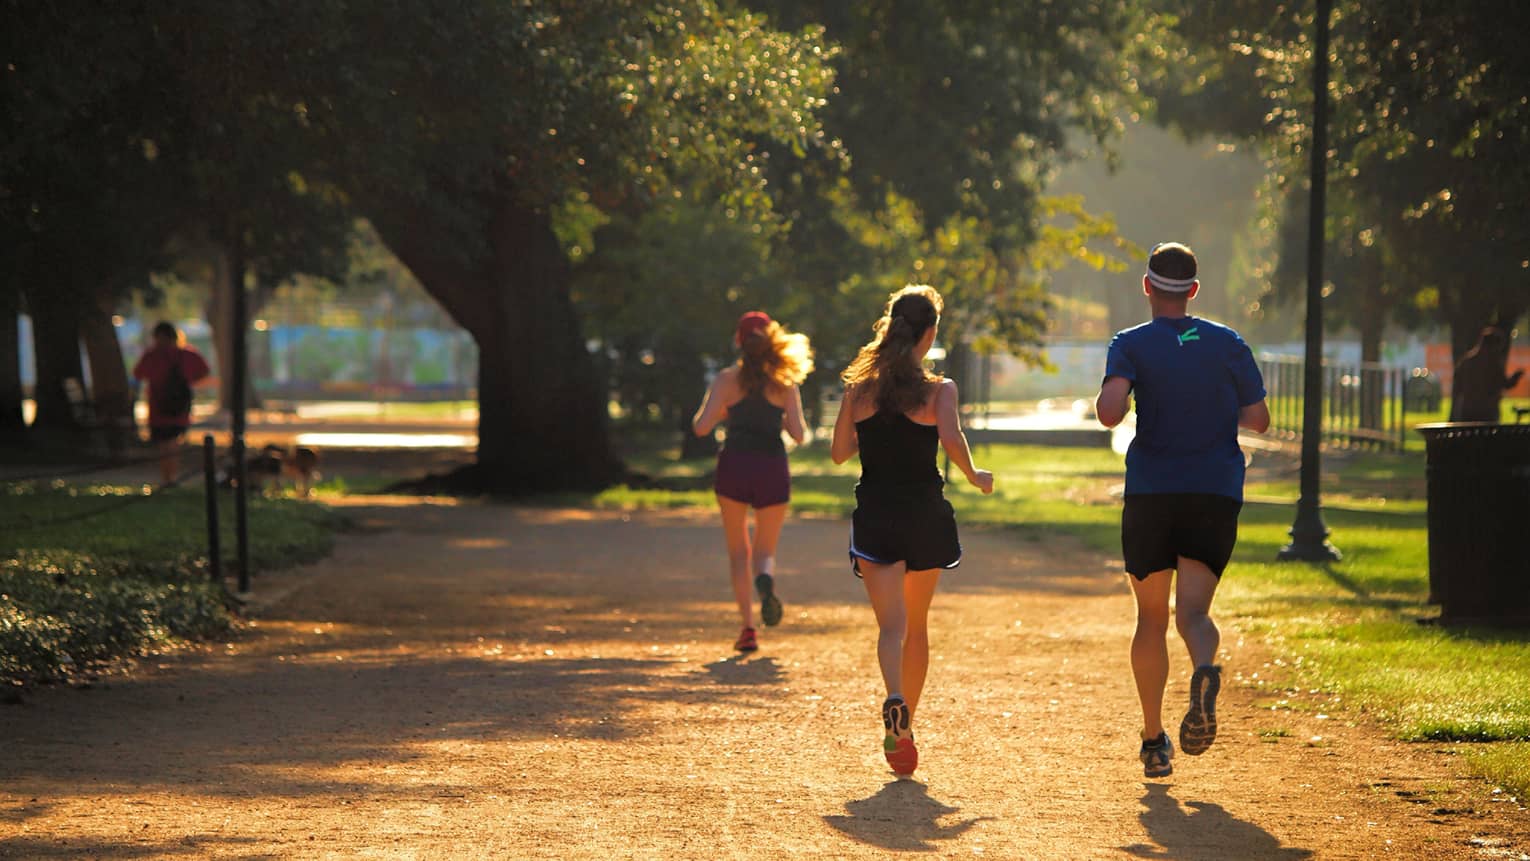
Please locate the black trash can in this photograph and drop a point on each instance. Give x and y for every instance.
(1479, 521)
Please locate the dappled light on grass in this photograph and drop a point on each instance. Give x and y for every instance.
(386, 440)
(1429, 683)
(93, 572)
(1505, 765)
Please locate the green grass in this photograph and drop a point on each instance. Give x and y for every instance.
(1347, 634)
(1506, 765)
(89, 573)
(405, 409)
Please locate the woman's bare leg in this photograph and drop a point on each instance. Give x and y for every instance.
(735, 518)
(918, 591)
(767, 532)
(884, 586)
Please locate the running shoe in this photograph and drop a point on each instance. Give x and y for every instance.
(1156, 756)
(1199, 728)
(898, 744)
(746, 641)
(770, 605)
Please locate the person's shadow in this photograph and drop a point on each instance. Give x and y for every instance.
(901, 816)
(745, 670)
(1205, 831)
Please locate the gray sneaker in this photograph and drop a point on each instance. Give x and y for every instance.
(770, 605)
(1156, 757)
(1199, 728)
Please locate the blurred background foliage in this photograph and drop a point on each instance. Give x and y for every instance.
(594, 190)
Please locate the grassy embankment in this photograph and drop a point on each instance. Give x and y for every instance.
(1347, 635)
(89, 573)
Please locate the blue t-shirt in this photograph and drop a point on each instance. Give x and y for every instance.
(1190, 377)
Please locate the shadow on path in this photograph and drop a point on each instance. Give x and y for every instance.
(902, 817)
(197, 846)
(1205, 831)
(745, 670)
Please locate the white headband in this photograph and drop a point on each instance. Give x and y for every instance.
(1172, 285)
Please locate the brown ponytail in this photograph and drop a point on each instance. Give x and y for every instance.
(885, 369)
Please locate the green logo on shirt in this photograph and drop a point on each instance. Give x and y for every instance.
(1189, 335)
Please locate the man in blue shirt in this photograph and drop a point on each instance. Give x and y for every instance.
(1195, 383)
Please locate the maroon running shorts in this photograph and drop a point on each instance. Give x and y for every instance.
(758, 479)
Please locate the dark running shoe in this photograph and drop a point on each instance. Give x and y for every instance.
(1199, 728)
(898, 744)
(746, 641)
(1156, 757)
(770, 605)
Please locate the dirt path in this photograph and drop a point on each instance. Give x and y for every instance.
(484, 682)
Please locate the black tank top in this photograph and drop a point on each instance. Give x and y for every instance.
(898, 454)
(754, 424)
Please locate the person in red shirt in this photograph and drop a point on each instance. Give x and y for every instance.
(168, 419)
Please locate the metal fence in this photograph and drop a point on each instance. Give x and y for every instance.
(1365, 405)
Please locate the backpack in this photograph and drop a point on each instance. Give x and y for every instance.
(175, 394)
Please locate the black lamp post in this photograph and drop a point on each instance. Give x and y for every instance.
(1309, 535)
(239, 384)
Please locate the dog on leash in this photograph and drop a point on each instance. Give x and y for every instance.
(263, 468)
(273, 467)
(301, 467)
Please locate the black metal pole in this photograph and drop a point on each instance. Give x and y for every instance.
(237, 389)
(214, 540)
(1309, 535)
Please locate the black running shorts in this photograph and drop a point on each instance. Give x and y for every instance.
(920, 532)
(1158, 528)
(166, 433)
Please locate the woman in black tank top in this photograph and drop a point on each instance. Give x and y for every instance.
(903, 532)
(756, 398)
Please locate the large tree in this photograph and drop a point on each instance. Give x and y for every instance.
(949, 118)
(1429, 137)
(955, 117)
(126, 127)
(520, 109)
(85, 201)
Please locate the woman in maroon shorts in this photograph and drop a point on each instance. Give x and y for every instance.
(757, 398)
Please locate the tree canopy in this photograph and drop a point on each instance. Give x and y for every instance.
(1428, 139)
(566, 173)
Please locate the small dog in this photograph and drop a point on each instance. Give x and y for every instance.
(263, 469)
(273, 466)
(302, 468)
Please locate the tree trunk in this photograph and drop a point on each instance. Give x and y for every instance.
(111, 394)
(13, 425)
(542, 410)
(56, 345)
(1372, 379)
(219, 310)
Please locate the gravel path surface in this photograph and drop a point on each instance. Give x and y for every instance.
(475, 681)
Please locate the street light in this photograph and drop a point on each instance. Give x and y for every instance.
(1309, 535)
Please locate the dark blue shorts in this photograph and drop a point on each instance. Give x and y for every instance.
(757, 479)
